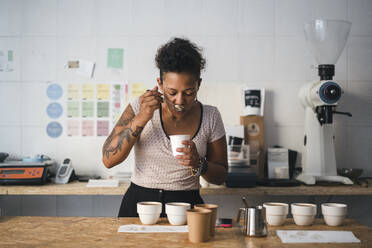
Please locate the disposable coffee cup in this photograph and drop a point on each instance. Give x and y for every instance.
(198, 223)
(213, 208)
(176, 142)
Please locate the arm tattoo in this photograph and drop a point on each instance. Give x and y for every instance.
(138, 131)
(122, 123)
(126, 118)
(123, 135)
(109, 148)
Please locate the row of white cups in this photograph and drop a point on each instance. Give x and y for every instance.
(149, 212)
(276, 213)
(200, 220)
(304, 213)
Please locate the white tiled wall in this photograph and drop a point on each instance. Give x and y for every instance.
(259, 43)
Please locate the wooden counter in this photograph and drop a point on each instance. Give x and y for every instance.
(102, 232)
(79, 188)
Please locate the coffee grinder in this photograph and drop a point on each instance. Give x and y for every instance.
(327, 39)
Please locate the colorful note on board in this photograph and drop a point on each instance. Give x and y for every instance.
(73, 127)
(87, 109)
(115, 58)
(137, 89)
(6, 60)
(103, 128)
(88, 91)
(103, 91)
(87, 128)
(73, 92)
(102, 109)
(73, 109)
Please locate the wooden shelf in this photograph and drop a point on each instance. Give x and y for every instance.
(79, 188)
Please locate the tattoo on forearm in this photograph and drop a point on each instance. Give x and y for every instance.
(138, 131)
(126, 118)
(122, 123)
(113, 149)
(122, 135)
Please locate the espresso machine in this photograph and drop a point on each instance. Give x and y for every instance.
(327, 39)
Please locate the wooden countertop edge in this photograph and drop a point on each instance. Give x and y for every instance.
(79, 188)
(102, 232)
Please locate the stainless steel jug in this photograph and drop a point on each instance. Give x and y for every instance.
(254, 221)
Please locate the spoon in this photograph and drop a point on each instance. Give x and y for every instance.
(177, 107)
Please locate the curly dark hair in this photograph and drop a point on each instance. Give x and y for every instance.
(180, 55)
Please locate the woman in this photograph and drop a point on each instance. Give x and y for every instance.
(150, 119)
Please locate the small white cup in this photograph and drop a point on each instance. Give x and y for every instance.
(276, 213)
(303, 213)
(176, 212)
(149, 212)
(334, 213)
(176, 142)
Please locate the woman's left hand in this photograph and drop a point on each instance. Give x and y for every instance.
(191, 155)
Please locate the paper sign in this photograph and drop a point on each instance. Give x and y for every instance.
(103, 128)
(54, 129)
(88, 91)
(6, 60)
(137, 89)
(73, 127)
(153, 229)
(102, 109)
(87, 109)
(86, 68)
(117, 93)
(103, 91)
(73, 109)
(126, 91)
(54, 91)
(103, 183)
(307, 236)
(54, 110)
(115, 58)
(87, 128)
(73, 92)
(117, 100)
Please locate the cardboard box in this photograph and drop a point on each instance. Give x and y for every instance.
(254, 136)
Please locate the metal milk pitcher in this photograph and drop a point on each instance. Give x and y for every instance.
(254, 221)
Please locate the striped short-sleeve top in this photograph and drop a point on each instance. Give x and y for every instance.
(155, 166)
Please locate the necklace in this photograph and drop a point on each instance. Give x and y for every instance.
(172, 117)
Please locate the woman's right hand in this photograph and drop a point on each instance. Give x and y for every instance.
(149, 102)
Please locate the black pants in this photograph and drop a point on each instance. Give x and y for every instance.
(137, 193)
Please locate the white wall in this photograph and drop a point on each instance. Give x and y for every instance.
(257, 42)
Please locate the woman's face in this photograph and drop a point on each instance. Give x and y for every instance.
(180, 90)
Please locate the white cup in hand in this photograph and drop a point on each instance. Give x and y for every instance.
(176, 142)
